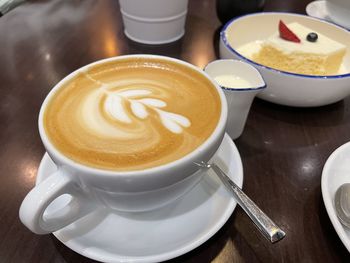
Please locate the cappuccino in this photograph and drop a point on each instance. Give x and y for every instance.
(132, 114)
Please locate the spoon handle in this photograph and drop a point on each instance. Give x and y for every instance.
(266, 226)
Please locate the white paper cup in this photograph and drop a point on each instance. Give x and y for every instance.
(154, 30)
(153, 8)
(154, 21)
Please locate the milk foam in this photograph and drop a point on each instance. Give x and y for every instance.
(113, 106)
(116, 102)
(174, 122)
(127, 117)
(138, 109)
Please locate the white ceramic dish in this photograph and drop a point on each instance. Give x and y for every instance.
(335, 173)
(157, 235)
(286, 88)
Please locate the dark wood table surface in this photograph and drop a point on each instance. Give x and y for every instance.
(283, 149)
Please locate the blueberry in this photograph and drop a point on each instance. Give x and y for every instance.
(312, 37)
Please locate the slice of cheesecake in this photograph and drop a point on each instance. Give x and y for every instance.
(322, 57)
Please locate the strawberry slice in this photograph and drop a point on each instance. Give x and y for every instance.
(286, 33)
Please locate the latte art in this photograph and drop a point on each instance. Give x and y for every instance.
(140, 108)
(121, 103)
(132, 114)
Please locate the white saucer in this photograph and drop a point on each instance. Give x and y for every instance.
(335, 173)
(176, 229)
(318, 9)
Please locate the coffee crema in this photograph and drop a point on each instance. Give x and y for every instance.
(132, 114)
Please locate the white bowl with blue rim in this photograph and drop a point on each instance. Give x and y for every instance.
(283, 87)
(240, 83)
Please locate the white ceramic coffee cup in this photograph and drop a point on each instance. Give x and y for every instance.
(239, 99)
(131, 191)
(339, 11)
(154, 21)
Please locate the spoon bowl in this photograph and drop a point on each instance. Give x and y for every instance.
(342, 204)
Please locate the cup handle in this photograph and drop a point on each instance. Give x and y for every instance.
(41, 196)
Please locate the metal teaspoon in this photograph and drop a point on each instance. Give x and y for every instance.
(342, 204)
(266, 226)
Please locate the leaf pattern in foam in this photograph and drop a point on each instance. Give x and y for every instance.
(153, 102)
(134, 93)
(173, 122)
(138, 109)
(113, 105)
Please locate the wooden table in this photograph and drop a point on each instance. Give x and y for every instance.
(283, 149)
